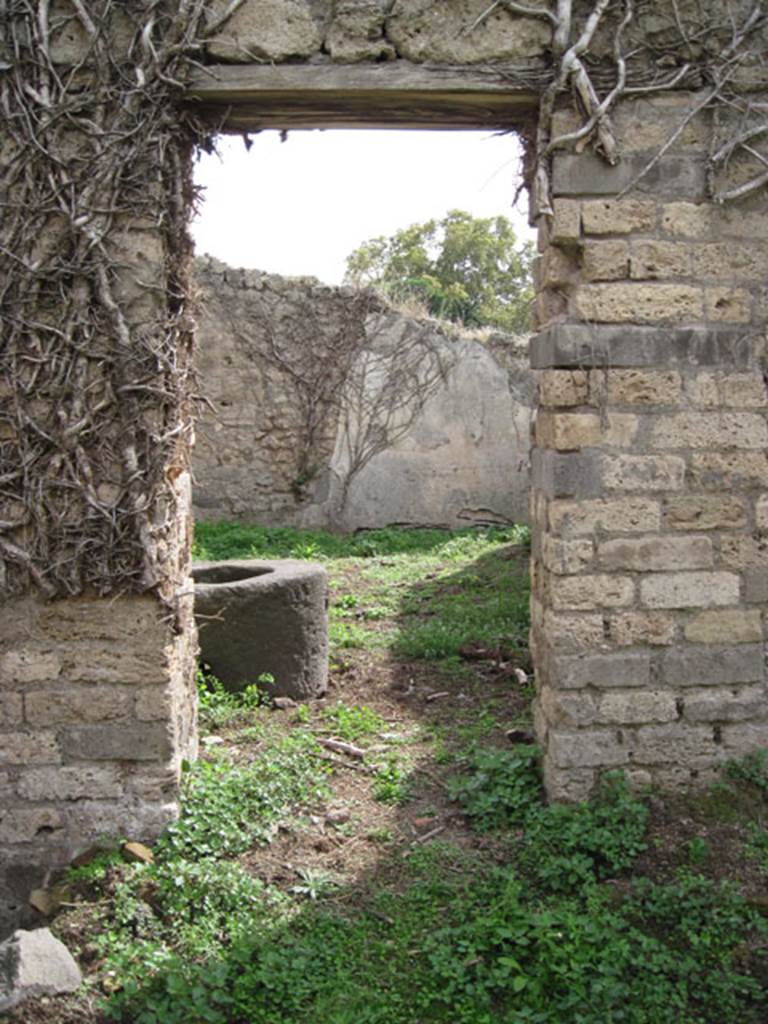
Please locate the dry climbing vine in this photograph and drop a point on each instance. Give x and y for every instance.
(609, 50)
(94, 356)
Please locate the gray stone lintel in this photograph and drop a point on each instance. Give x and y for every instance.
(573, 346)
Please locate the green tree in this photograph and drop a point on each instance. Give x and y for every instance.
(467, 269)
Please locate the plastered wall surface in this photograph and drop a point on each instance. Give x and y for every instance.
(460, 459)
(649, 467)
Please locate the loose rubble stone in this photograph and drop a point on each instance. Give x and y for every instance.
(34, 964)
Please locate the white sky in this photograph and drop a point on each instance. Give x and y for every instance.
(301, 206)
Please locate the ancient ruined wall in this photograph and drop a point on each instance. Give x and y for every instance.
(97, 638)
(650, 471)
(462, 457)
(649, 507)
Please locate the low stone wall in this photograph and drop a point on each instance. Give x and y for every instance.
(327, 409)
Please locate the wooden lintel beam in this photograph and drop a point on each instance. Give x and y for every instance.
(400, 94)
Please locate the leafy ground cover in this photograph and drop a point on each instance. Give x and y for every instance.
(426, 880)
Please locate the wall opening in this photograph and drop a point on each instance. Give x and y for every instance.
(299, 204)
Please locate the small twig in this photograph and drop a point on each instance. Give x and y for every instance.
(342, 748)
(513, 8)
(429, 835)
(330, 759)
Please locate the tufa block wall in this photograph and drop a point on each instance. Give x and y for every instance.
(650, 472)
(458, 457)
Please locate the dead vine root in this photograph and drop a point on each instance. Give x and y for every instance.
(608, 50)
(94, 354)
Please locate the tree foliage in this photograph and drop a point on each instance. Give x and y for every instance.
(471, 270)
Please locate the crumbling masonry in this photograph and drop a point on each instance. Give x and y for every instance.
(650, 474)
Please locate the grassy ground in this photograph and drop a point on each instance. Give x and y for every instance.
(423, 880)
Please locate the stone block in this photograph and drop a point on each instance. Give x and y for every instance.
(761, 513)
(565, 632)
(656, 554)
(673, 779)
(641, 303)
(617, 515)
(266, 30)
(642, 628)
(133, 623)
(744, 552)
(75, 782)
(565, 474)
(425, 33)
(570, 709)
(566, 556)
(618, 216)
(35, 964)
(702, 390)
(676, 742)
(565, 431)
(708, 665)
(585, 748)
(23, 825)
(95, 663)
(10, 709)
(745, 220)
(154, 786)
(27, 665)
(53, 707)
(707, 430)
(357, 33)
(152, 703)
(138, 820)
(145, 742)
(643, 387)
(610, 670)
(556, 268)
(577, 346)
(566, 223)
(689, 589)
(745, 737)
(724, 704)
(730, 261)
(569, 785)
(756, 586)
(643, 472)
(636, 707)
(588, 175)
(687, 220)
(563, 388)
(705, 512)
(585, 593)
(728, 305)
(732, 626)
(652, 260)
(605, 261)
(26, 748)
(743, 390)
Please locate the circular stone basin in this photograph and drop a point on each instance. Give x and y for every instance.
(264, 618)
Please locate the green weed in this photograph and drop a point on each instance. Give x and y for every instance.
(352, 722)
(391, 783)
(228, 807)
(499, 787)
(217, 706)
